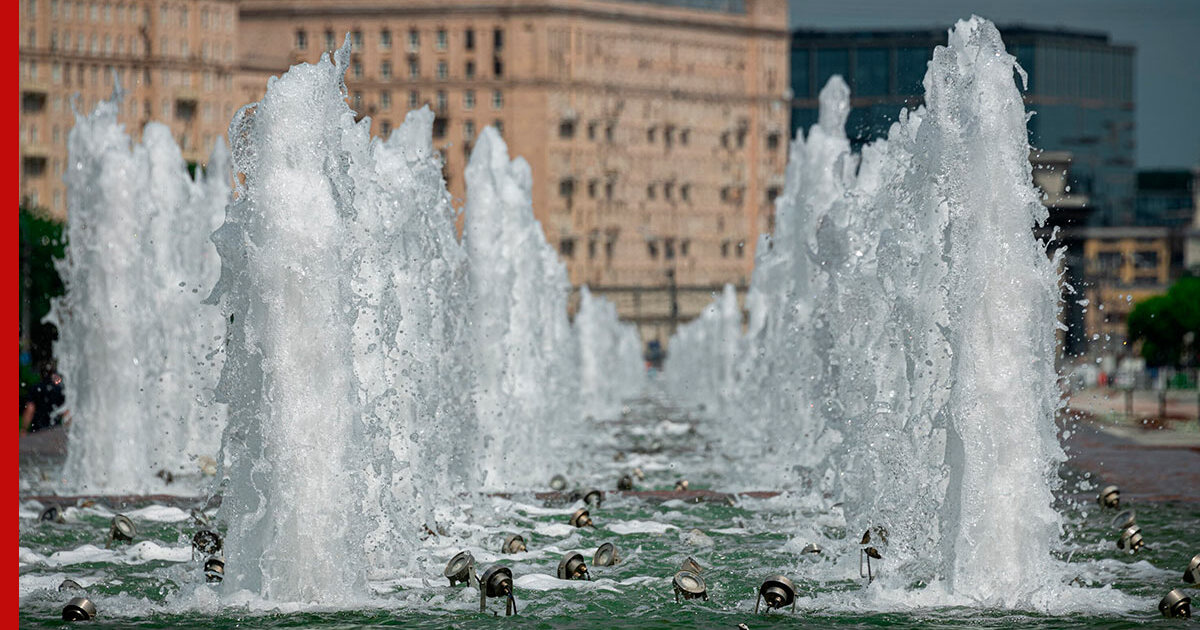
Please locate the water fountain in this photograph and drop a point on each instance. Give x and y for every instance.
(610, 357)
(138, 355)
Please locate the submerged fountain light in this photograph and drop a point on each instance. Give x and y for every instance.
(625, 483)
(515, 543)
(214, 570)
(639, 474)
(867, 554)
(681, 485)
(1110, 497)
(777, 591)
(206, 542)
(572, 567)
(582, 518)
(1124, 519)
(689, 585)
(605, 556)
(70, 585)
(690, 565)
(593, 497)
(166, 476)
(811, 548)
(1192, 574)
(497, 581)
(1176, 604)
(52, 514)
(558, 483)
(122, 529)
(79, 609)
(461, 569)
(1131, 539)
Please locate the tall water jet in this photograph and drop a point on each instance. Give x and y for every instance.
(137, 350)
(701, 367)
(528, 367)
(295, 421)
(610, 357)
(905, 302)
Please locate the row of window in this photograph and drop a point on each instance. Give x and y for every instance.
(83, 43)
(386, 72)
(441, 102)
(441, 40)
(669, 190)
(122, 13)
(77, 75)
(667, 247)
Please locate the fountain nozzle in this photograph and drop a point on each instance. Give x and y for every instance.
(461, 569)
(1110, 497)
(214, 570)
(1131, 539)
(605, 556)
(1192, 574)
(514, 544)
(52, 514)
(207, 542)
(572, 567)
(689, 585)
(625, 483)
(582, 518)
(558, 483)
(497, 581)
(79, 609)
(122, 529)
(1176, 604)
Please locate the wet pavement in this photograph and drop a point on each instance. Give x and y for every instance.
(1150, 465)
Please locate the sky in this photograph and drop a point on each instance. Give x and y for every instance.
(1166, 34)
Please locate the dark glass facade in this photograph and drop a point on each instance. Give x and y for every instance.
(1080, 88)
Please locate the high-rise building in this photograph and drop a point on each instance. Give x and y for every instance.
(1080, 89)
(656, 130)
(175, 61)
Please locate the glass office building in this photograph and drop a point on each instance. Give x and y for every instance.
(1080, 88)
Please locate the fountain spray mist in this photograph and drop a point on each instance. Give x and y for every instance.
(138, 353)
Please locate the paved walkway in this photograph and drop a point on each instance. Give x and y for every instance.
(1148, 465)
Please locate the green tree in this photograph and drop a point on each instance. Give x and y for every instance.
(1169, 325)
(42, 242)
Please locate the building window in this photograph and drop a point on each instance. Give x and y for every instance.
(773, 141)
(498, 39)
(498, 67)
(772, 193)
(468, 130)
(385, 128)
(566, 129)
(566, 246)
(414, 40)
(652, 248)
(385, 39)
(610, 132)
(469, 39)
(725, 249)
(441, 39)
(330, 43)
(650, 134)
(593, 186)
(385, 70)
(414, 69)
(442, 70)
(441, 100)
(301, 40)
(566, 187)
(385, 100)
(497, 99)
(357, 69)
(358, 40)
(439, 131)
(685, 193)
(668, 190)
(499, 125)
(469, 99)
(651, 191)
(470, 70)
(414, 99)
(358, 100)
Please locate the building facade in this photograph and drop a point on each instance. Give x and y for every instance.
(1125, 265)
(1080, 89)
(656, 130)
(175, 60)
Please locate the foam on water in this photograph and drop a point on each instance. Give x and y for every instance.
(138, 354)
(902, 336)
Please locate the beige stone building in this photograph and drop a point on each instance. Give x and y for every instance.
(1125, 265)
(656, 130)
(175, 59)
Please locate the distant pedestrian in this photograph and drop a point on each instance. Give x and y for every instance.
(42, 407)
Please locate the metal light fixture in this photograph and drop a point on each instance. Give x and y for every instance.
(689, 585)
(1124, 519)
(605, 556)
(166, 476)
(1176, 604)
(461, 569)
(594, 497)
(52, 514)
(681, 485)
(1192, 574)
(70, 585)
(1110, 497)
(690, 565)
(206, 542)
(79, 609)
(214, 570)
(122, 529)
(1131, 539)
(777, 591)
(558, 483)
(581, 518)
(868, 553)
(515, 543)
(572, 567)
(638, 474)
(625, 483)
(497, 581)
(811, 548)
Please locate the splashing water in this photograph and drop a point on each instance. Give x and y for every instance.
(610, 358)
(902, 333)
(137, 353)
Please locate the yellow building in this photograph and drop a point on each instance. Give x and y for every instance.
(176, 61)
(1124, 266)
(656, 130)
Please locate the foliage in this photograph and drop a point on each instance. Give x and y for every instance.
(42, 242)
(1169, 325)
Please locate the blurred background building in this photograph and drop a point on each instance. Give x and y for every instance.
(176, 61)
(656, 130)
